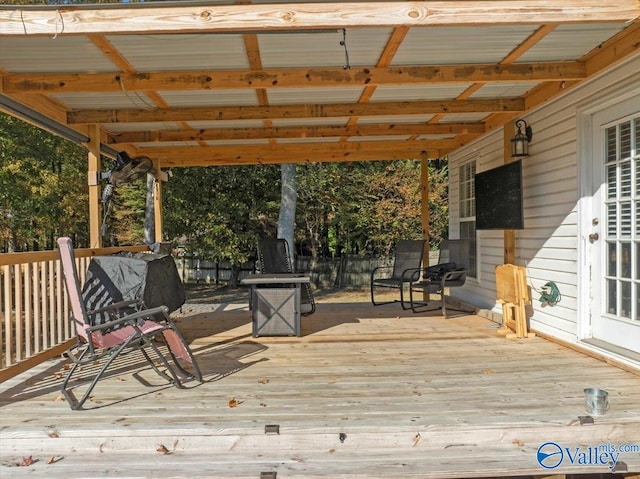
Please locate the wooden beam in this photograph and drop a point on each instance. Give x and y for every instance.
(93, 172)
(296, 132)
(529, 42)
(621, 46)
(288, 77)
(395, 40)
(424, 207)
(291, 153)
(111, 52)
(157, 202)
(211, 113)
(143, 18)
(509, 235)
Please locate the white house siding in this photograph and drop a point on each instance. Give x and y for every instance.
(549, 244)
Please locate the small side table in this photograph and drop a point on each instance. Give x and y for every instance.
(275, 303)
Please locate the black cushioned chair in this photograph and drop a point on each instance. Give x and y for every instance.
(450, 272)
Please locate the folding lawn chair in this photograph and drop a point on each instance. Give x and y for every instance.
(129, 326)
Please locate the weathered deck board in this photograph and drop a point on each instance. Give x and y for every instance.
(416, 396)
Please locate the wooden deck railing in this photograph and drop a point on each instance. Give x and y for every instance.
(34, 310)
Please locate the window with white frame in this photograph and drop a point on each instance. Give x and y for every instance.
(467, 208)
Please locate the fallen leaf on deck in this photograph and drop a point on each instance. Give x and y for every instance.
(263, 404)
(233, 402)
(264, 381)
(331, 451)
(27, 461)
(66, 367)
(162, 449)
(416, 440)
(518, 442)
(54, 434)
(58, 375)
(121, 379)
(487, 371)
(59, 398)
(54, 459)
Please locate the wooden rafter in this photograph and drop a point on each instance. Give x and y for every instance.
(257, 78)
(43, 92)
(292, 153)
(395, 40)
(263, 17)
(296, 132)
(294, 111)
(516, 53)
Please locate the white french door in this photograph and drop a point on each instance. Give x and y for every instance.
(615, 241)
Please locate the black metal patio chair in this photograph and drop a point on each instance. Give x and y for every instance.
(407, 265)
(449, 272)
(274, 258)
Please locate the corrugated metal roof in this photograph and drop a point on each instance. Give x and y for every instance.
(463, 117)
(291, 50)
(46, 54)
(295, 96)
(79, 101)
(180, 99)
(283, 122)
(392, 119)
(418, 92)
(379, 138)
(205, 51)
(260, 141)
(205, 125)
(503, 90)
(326, 139)
(129, 127)
(148, 60)
(570, 42)
(451, 45)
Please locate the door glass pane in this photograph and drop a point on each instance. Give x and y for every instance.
(625, 310)
(611, 296)
(625, 140)
(611, 254)
(610, 141)
(625, 260)
(622, 222)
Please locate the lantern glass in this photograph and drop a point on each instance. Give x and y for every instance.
(519, 146)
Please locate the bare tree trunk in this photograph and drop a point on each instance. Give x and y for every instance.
(288, 198)
(149, 213)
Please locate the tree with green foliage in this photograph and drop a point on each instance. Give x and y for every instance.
(43, 187)
(220, 212)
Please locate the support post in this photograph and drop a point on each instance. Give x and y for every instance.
(157, 201)
(509, 235)
(424, 201)
(93, 179)
(424, 197)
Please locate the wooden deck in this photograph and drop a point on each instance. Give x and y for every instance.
(364, 393)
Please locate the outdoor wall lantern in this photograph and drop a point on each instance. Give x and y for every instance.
(520, 141)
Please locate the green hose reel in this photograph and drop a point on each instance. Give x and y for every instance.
(550, 294)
